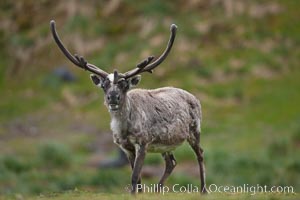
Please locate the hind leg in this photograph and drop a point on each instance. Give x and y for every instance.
(194, 143)
(170, 165)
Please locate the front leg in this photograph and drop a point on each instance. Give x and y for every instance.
(138, 164)
(131, 157)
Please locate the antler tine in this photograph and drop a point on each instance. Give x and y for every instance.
(145, 62)
(76, 60)
(157, 62)
(147, 65)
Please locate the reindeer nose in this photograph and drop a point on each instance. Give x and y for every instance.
(113, 98)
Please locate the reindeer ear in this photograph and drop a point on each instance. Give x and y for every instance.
(96, 79)
(134, 80)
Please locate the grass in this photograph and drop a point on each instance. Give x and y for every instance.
(103, 196)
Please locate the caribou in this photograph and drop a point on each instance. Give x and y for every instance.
(142, 121)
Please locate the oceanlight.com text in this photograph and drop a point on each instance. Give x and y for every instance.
(250, 189)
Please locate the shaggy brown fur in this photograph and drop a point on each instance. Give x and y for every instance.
(157, 121)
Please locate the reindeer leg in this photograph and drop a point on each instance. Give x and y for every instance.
(131, 158)
(138, 164)
(199, 153)
(170, 165)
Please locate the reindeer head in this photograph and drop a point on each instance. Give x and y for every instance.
(115, 88)
(115, 85)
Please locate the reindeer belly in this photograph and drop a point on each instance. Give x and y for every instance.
(167, 137)
(158, 142)
(161, 148)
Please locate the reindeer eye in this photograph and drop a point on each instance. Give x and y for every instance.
(123, 84)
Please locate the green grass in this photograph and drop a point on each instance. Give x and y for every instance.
(191, 196)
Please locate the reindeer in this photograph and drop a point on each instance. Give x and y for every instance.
(142, 121)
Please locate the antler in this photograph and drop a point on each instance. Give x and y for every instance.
(147, 65)
(76, 60)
